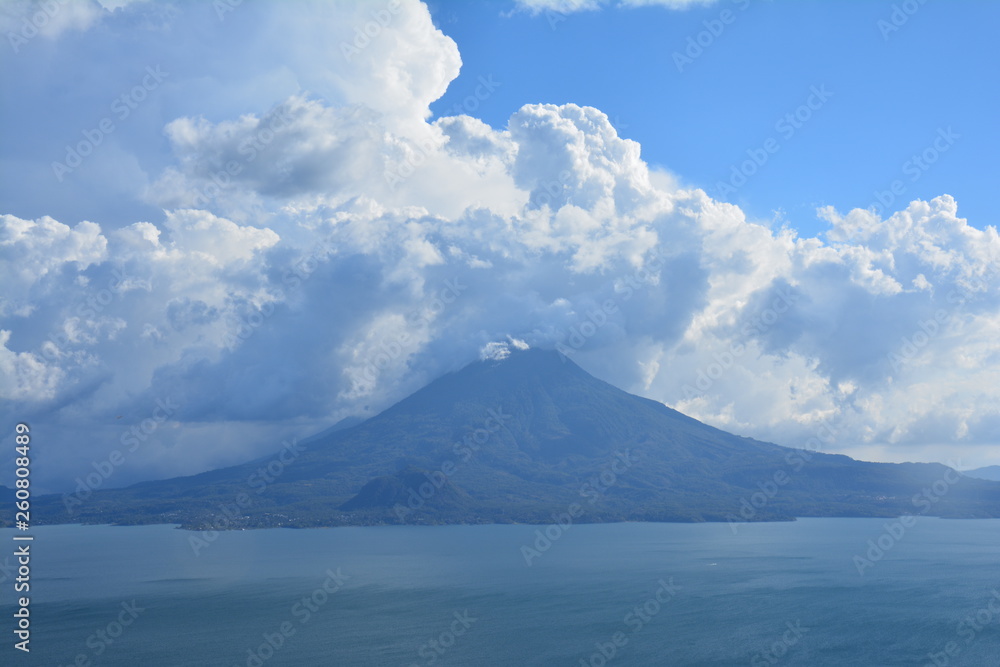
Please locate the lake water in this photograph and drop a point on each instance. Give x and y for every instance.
(616, 594)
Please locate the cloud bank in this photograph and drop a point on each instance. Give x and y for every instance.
(333, 250)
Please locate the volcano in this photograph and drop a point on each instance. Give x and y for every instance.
(527, 438)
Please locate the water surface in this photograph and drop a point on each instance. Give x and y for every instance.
(671, 594)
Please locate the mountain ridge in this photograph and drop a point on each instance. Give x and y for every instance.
(991, 473)
(520, 439)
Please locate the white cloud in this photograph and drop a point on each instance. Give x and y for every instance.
(23, 20)
(32, 250)
(23, 375)
(570, 6)
(112, 5)
(668, 4)
(356, 251)
(561, 6)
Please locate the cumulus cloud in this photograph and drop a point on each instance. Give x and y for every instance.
(25, 375)
(322, 256)
(570, 6)
(23, 20)
(34, 250)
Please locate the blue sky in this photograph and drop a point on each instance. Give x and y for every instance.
(289, 213)
(893, 89)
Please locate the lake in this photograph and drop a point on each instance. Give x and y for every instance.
(866, 592)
